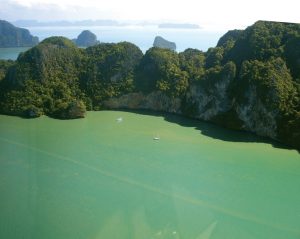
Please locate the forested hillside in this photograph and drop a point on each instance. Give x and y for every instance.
(249, 81)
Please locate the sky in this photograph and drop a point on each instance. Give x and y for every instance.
(209, 14)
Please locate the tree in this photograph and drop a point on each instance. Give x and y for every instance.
(192, 61)
(109, 70)
(160, 70)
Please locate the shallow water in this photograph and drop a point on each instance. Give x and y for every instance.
(11, 53)
(100, 178)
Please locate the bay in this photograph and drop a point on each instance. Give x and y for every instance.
(98, 177)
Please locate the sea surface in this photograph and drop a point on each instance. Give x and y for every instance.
(98, 177)
(11, 53)
(142, 36)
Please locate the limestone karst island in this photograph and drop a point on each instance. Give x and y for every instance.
(249, 81)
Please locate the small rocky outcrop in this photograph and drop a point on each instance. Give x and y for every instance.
(163, 43)
(86, 38)
(32, 112)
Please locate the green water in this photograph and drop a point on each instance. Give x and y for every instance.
(11, 53)
(97, 178)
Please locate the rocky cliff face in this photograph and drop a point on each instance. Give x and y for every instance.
(86, 39)
(208, 102)
(212, 102)
(256, 117)
(163, 43)
(157, 101)
(252, 116)
(11, 36)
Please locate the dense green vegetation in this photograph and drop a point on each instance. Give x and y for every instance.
(108, 71)
(4, 66)
(192, 61)
(55, 77)
(253, 73)
(11, 36)
(44, 80)
(160, 70)
(267, 56)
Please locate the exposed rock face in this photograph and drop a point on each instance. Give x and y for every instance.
(32, 112)
(210, 102)
(252, 115)
(163, 43)
(153, 101)
(86, 38)
(256, 117)
(11, 36)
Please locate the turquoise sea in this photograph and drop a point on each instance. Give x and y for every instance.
(98, 177)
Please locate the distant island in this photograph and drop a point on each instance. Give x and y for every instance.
(35, 23)
(250, 81)
(163, 43)
(179, 25)
(11, 36)
(85, 39)
(103, 22)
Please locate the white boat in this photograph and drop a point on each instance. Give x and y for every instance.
(156, 138)
(119, 119)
